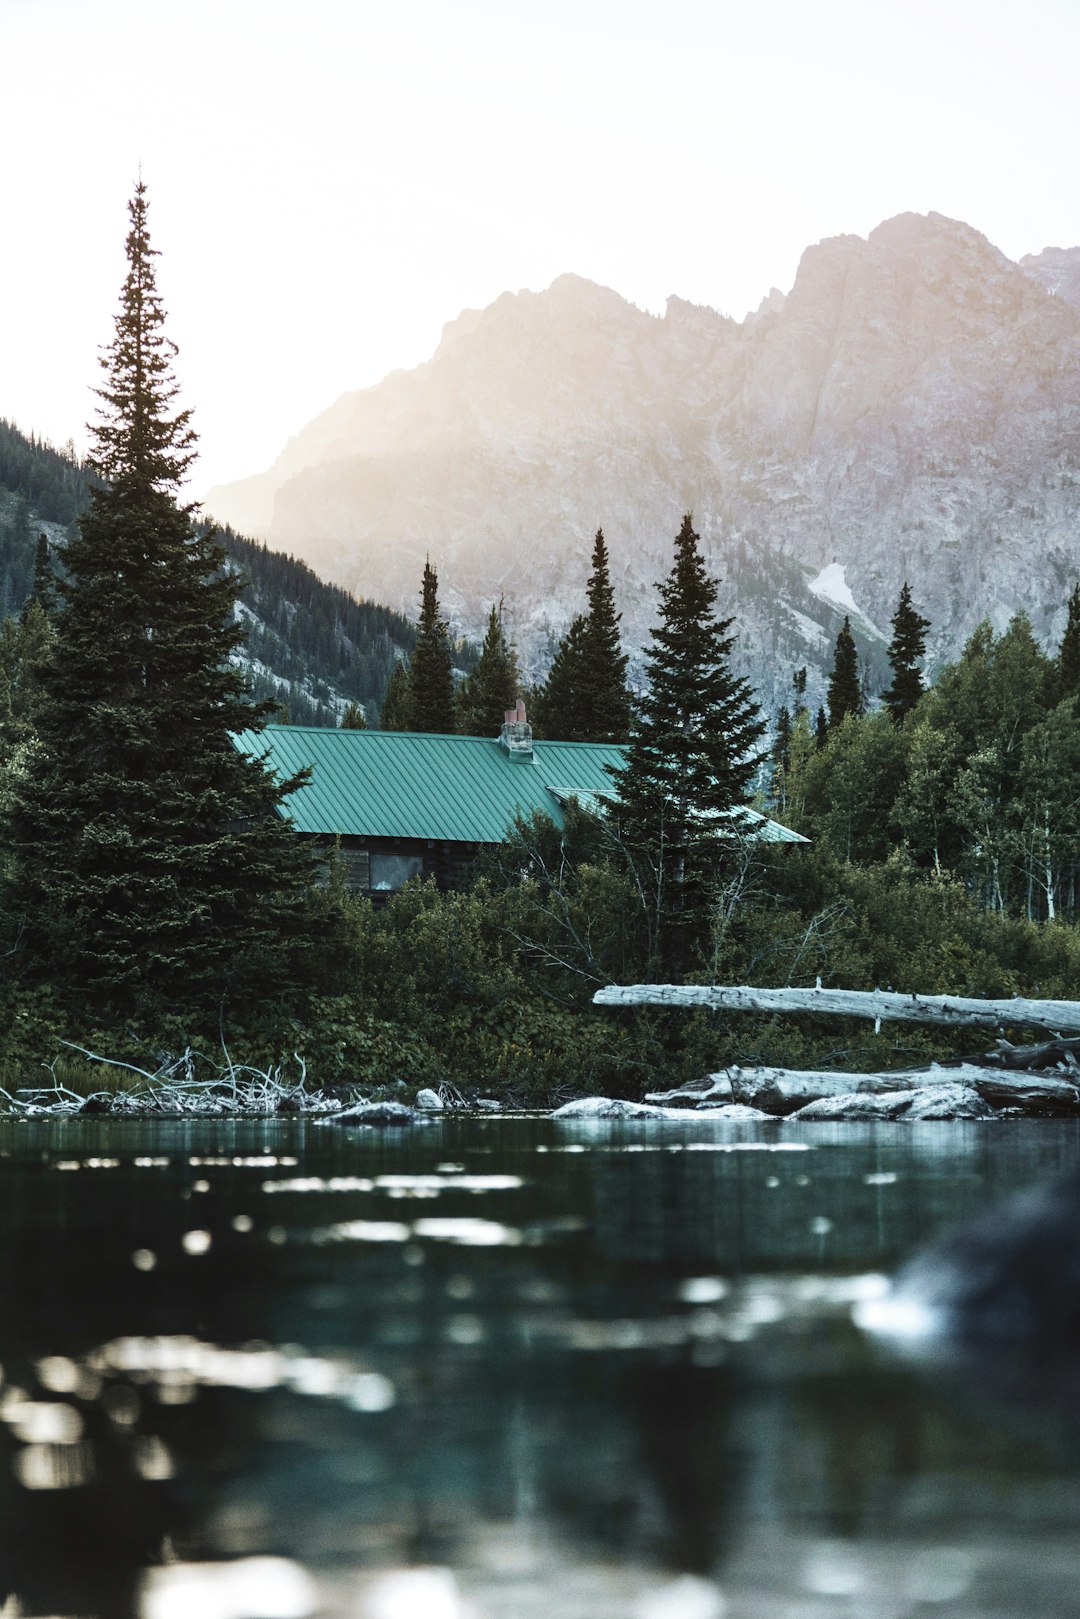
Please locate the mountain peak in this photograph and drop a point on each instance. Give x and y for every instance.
(912, 407)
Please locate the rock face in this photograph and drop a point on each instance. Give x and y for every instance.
(911, 410)
(1058, 270)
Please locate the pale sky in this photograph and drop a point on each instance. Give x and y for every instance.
(331, 182)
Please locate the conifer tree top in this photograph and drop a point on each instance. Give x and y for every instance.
(139, 435)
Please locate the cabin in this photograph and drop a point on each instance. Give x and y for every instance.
(403, 804)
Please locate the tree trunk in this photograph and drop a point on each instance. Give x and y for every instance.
(879, 1005)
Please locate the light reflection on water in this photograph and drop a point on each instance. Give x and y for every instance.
(502, 1369)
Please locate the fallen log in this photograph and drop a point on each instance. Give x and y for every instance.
(785, 1090)
(877, 1005)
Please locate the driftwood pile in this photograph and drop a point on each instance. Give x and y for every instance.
(1010, 1080)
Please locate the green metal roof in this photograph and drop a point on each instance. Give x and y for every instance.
(408, 784)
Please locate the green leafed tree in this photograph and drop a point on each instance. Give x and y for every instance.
(491, 686)
(152, 870)
(845, 692)
(691, 757)
(906, 651)
(431, 670)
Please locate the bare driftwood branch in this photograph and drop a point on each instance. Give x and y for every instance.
(232, 1088)
(877, 1005)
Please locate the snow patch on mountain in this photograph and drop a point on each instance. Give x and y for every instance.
(831, 584)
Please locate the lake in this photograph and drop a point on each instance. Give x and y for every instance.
(504, 1369)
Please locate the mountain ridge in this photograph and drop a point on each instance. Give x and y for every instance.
(909, 410)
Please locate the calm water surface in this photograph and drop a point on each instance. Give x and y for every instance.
(504, 1369)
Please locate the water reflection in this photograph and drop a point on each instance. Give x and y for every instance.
(500, 1369)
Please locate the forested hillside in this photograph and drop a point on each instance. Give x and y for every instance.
(310, 646)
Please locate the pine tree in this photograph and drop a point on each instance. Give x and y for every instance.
(798, 682)
(781, 748)
(431, 670)
(1068, 670)
(781, 757)
(845, 693)
(691, 755)
(44, 589)
(152, 869)
(491, 686)
(354, 718)
(561, 709)
(604, 671)
(905, 653)
(821, 729)
(585, 698)
(396, 712)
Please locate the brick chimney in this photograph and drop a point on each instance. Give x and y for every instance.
(516, 737)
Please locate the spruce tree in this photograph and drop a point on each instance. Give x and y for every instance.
(905, 653)
(354, 718)
(821, 729)
(561, 709)
(691, 755)
(431, 670)
(396, 712)
(781, 748)
(1068, 661)
(151, 868)
(585, 697)
(845, 692)
(491, 686)
(604, 670)
(44, 592)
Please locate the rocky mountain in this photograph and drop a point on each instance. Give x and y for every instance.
(910, 410)
(310, 646)
(1058, 270)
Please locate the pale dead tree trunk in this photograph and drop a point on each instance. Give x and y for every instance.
(877, 1005)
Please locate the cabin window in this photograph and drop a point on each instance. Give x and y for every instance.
(392, 871)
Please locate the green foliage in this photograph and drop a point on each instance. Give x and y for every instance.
(691, 755)
(397, 705)
(150, 868)
(354, 718)
(316, 637)
(1068, 659)
(431, 677)
(845, 692)
(905, 654)
(585, 697)
(491, 687)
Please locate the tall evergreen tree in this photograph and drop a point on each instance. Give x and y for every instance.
(845, 693)
(821, 729)
(905, 654)
(1068, 661)
(151, 867)
(605, 661)
(396, 713)
(585, 697)
(44, 591)
(491, 686)
(691, 755)
(431, 669)
(561, 710)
